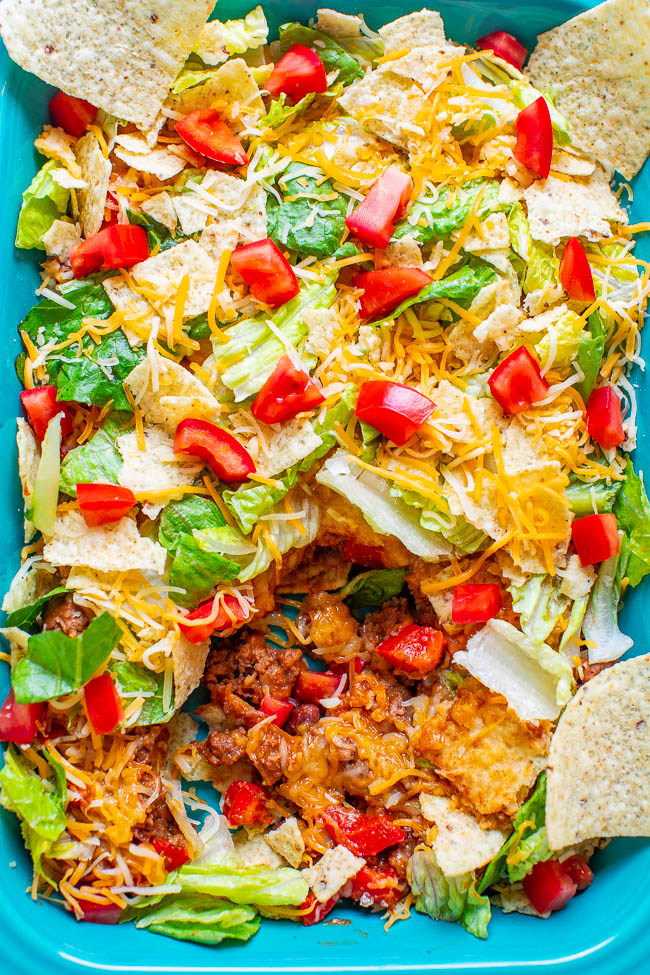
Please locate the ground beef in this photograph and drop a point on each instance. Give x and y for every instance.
(270, 750)
(153, 746)
(592, 670)
(247, 666)
(239, 712)
(159, 824)
(301, 718)
(62, 613)
(322, 567)
(382, 623)
(224, 747)
(399, 856)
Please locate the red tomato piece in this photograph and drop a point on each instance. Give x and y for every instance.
(476, 603)
(121, 245)
(517, 383)
(575, 272)
(245, 804)
(534, 146)
(415, 649)
(369, 556)
(344, 668)
(314, 685)
(103, 503)
(41, 406)
(175, 855)
(314, 910)
(279, 709)
(505, 46)
(207, 133)
(548, 886)
(386, 289)
(379, 884)
(395, 410)
(596, 538)
(222, 620)
(104, 913)
(363, 835)
(266, 271)
(298, 73)
(287, 392)
(229, 460)
(19, 722)
(579, 871)
(71, 114)
(604, 417)
(373, 220)
(103, 705)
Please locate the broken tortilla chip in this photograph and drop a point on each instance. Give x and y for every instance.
(597, 67)
(122, 57)
(96, 172)
(599, 764)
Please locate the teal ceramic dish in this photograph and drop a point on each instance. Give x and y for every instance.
(606, 931)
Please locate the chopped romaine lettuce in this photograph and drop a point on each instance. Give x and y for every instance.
(42, 509)
(246, 34)
(586, 498)
(456, 529)
(44, 201)
(600, 627)
(590, 354)
(448, 898)
(462, 287)
(433, 217)
(311, 218)
(373, 588)
(540, 604)
(196, 917)
(537, 264)
(97, 377)
(632, 510)
(26, 617)
(279, 111)
(96, 460)
(243, 884)
(526, 845)
(136, 681)
(333, 56)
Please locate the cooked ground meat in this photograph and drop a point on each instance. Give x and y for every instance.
(152, 747)
(322, 567)
(159, 824)
(62, 613)
(270, 750)
(592, 670)
(382, 623)
(238, 711)
(399, 856)
(302, 717)
(247, 666)
(224, 747)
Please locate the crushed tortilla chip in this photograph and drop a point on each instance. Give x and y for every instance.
(95, 171)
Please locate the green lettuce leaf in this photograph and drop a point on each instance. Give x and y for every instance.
(582, 495)
(311, 218)
(590, 354)
(196, 917)
(600, 625)
(247, 33)
(373, 588)
(133, 680)
(25, 618)
(540, 603)
(243, 884)
(44, 201)
(569, 334)
(538, 266)
(97, 376)
(433, 218)
(524, 94)
(632, 510)
(42, 508)
(448, 898)
(55, 664)
(455, 529)
(280, 110)
(158, 235)
(41, 810)
(462, 286)
(96, 460)
(194, 570)
(333, 56)
(525, 846)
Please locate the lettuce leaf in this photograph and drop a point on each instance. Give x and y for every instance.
(196, 917)
(526, 845)
(247, 33)
(600, 626)
(632, 510)
(311, 218)
(44, 201)
(502, 73)
(25, 618)
(582, 495)
(373, 588)
(455, 529)
(97, 376)
(243, 884)
(41, 810)
(96, 460)
(193, 569)
(540, 603)
(537, 265)
(134, 680)
(590, 354)
(158, 235)
(42, 507)
(279, 111)
(448, 898)
(435, 217)
(569, 335)
(462, 286)
(333, 56)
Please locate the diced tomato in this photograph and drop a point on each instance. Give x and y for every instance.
(415, 649)
(175, 855)
(363, 835)
(222, 621)
(395, 410)
(344, 668)
(579, 871)
(548, 886)
(71, 114)
(121, 245)
(103, 705)
(314, 685)
(298, 73)
(504, 46)
(279, 709)
(596, 538)
(101, 504)
(476, 603)
(314, 910)
(534, 146)
(266, 271)
(379, 884)
(19, 722)
(100, 913)
(517, 383)
(373, 221)
(41, 406)
(386, 289)
(287, 392)
(207, 133)
(604, 417)
(369, 556)
(246, 804)
(229, 460)
(575, 272)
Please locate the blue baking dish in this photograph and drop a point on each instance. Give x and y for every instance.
(605, 931)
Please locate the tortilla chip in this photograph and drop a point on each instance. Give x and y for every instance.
(405, 252)
(295, 440)
(122, 57)
(558, 208)
(597, 66)
(419, 29)
(227, 89)
(135, 307)
(116, 547)
(65, 179)
(255, 851)
(599, 765)
(55, 143)
(461, 845)
(332, 871)
(286, 839)
(159, 162)
(189, 664)
(191, 219)
(161, 275)
(161, 208)
(23, 589)
(61, 238)
(29, 456)
(338, 25)
(179, 393)
(157, 467)
(95, 171)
